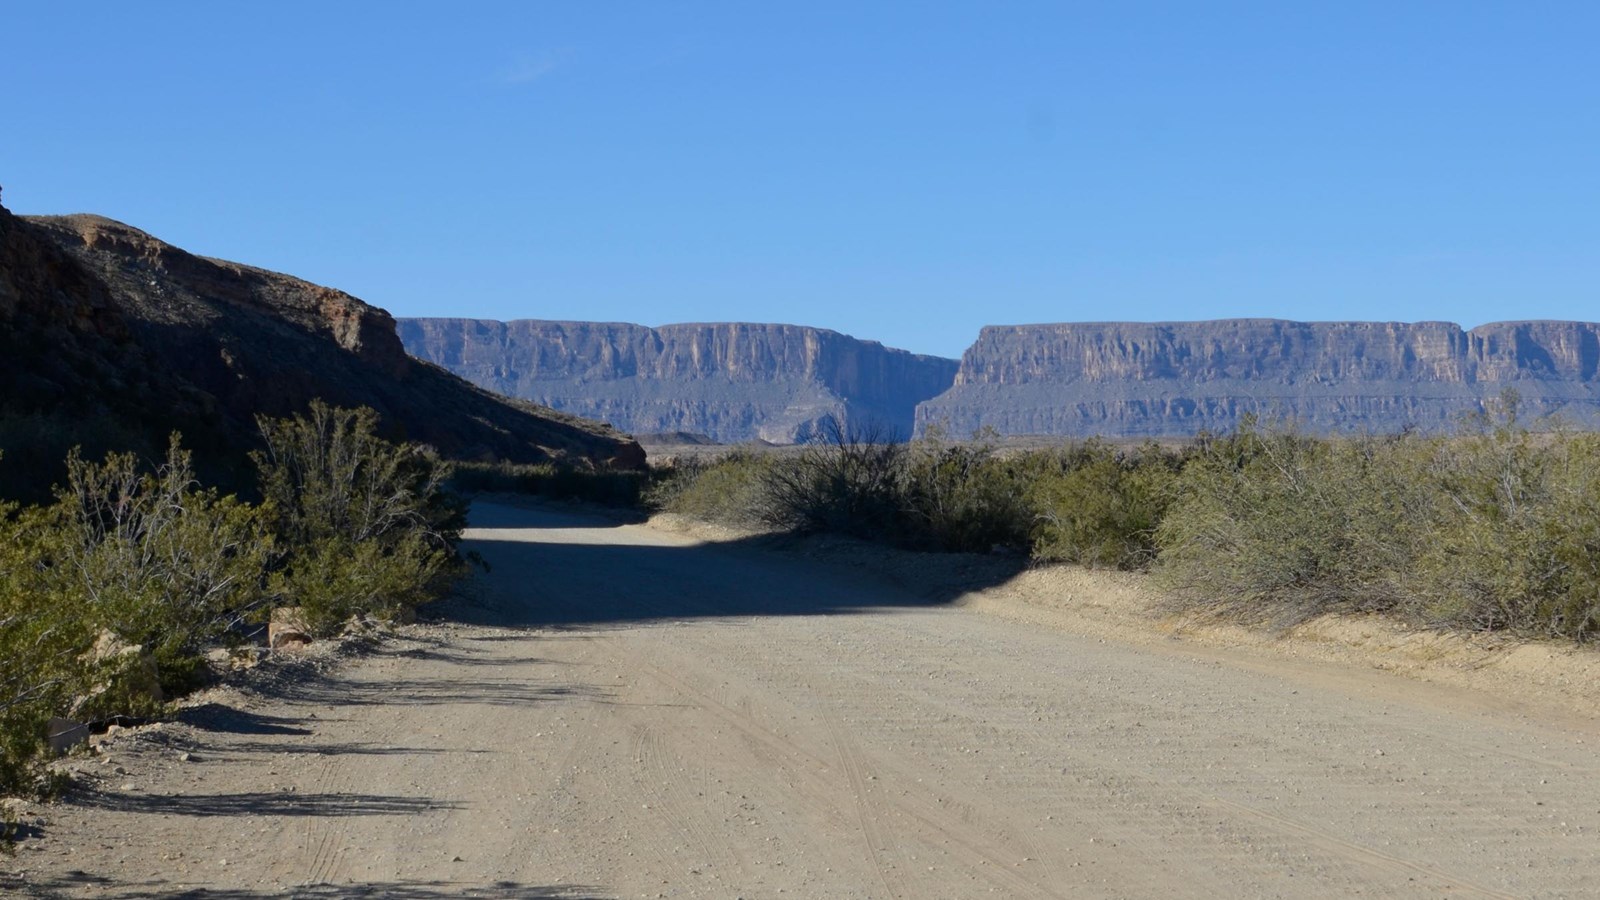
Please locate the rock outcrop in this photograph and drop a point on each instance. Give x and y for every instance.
(1175, 379)
(111, 338)
(731, 381)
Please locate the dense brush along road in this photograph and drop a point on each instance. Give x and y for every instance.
(621, 711)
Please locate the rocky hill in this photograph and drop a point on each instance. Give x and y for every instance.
(111, 338)
(1171, 379)
(731, 381)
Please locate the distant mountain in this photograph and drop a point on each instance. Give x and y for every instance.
(1173, 379)
(111, 338)
(730, 381)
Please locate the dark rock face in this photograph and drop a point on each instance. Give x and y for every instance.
(112, 338)
(1174, 379)
(732, 381)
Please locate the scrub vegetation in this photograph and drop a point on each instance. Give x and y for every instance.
(134, 569)
(1494, 528)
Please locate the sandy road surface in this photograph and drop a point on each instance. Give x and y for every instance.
(627, 713)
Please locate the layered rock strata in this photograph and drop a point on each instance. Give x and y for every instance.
(731, 381)
(1178, 378)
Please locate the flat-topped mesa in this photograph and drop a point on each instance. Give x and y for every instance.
(732, 381)
(1177, 378)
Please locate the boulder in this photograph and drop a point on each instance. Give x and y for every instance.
(64, 734)
(224, 659)
(287, 630)
(132, 678)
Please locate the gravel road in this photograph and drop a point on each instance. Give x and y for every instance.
(626, 712)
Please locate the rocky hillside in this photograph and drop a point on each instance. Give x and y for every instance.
(733, 382)
(1169, 379)
(111, 338)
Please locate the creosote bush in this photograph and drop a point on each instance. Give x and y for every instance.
(1495, 528)
(960, 498)
(142, 556)
(730, 490)
(1275, 527)
(367, 525)
(155, 559)
(1099, 506)
(1086, 503)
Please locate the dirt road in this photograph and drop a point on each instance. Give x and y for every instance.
(624, 712)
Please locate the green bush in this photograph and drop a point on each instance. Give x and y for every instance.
(1098, 506)
(730, 489)
(961, 498)
(367, 525)
(154, 558)
(1278, 527)
(40, 643)
(1515, 539)
(148, 557)
(349, 523)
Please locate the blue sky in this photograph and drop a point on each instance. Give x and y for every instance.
(905, 172)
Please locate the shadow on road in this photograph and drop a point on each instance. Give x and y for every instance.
(226, 719)
(520, 512)
(75, 884)
(544, 573)
(260, 803)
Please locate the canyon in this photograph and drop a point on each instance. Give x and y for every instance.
(777, 383)
(732, 382)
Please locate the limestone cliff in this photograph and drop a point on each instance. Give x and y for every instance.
(732, 381)
(1170, 379)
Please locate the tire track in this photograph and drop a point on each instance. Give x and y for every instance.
(819, 784)
(879, 843)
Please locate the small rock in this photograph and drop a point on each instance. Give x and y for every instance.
(64, 734)
(287, 630)
(130, 671)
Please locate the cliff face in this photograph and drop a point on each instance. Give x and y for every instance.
(111, 338)
(731, 381)
(1171, 379)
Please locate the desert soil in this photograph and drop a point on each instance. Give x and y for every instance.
(631, 711)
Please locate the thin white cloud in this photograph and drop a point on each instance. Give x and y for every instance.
(528, 69)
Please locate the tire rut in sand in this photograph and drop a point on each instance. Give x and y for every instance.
(850, 802)
(676, 807)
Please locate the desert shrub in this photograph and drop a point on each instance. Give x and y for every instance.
(730, 489)
(961, 498)
(1515, 539)
(152, 557)
(1572, 528)
(1098, 506)
(1498, 528)
(367, 525)
(552, 482)
(144, 555)
(1275, 526)
(1493, 529)
(40, 642)
(848, 481)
